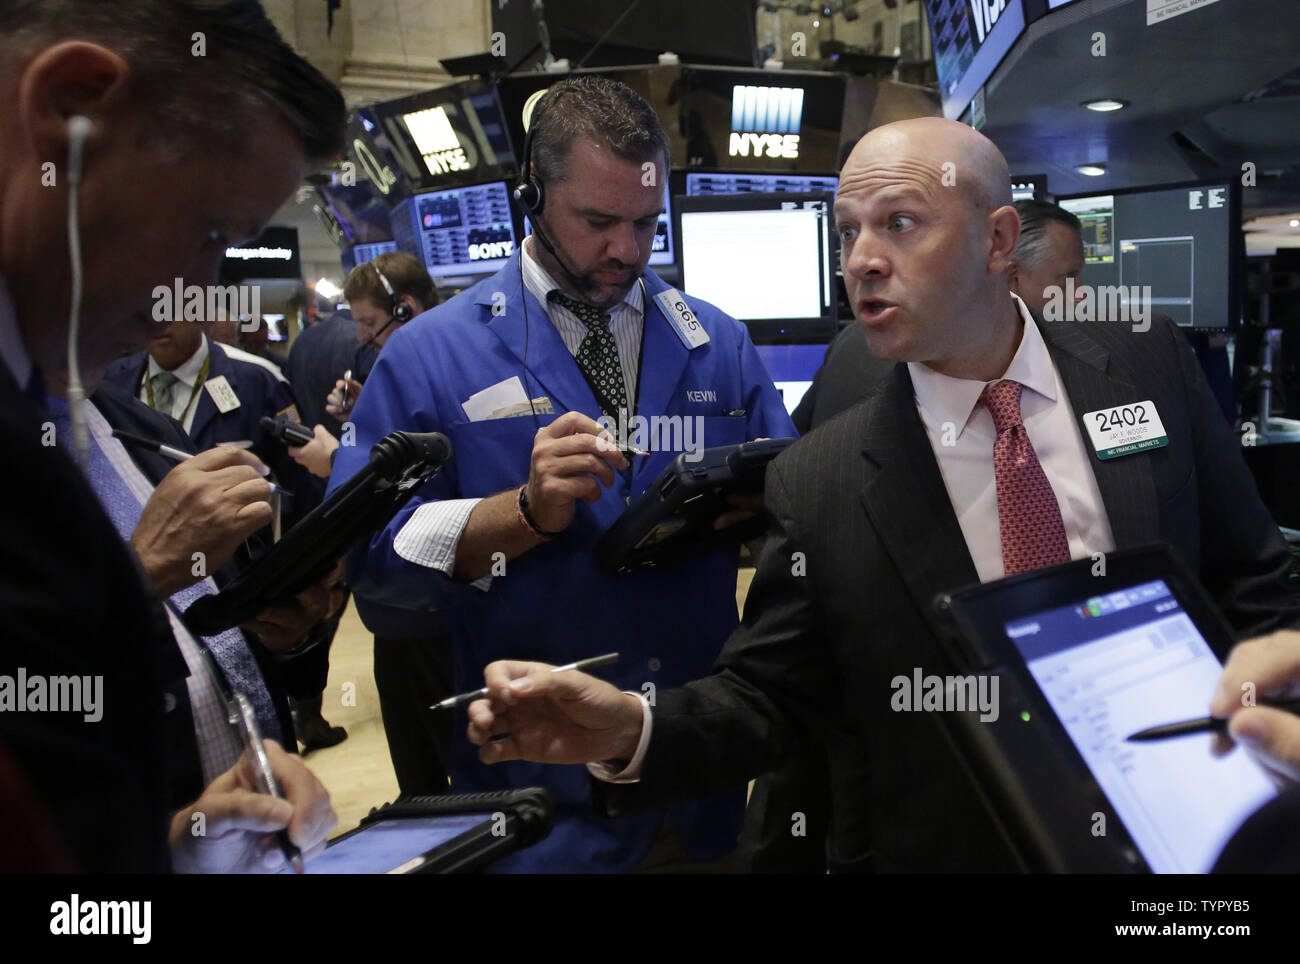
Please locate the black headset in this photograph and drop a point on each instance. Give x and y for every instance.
(402, 312)
(528, 191)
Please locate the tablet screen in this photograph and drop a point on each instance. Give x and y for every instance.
(388, 844)
(1115, 664)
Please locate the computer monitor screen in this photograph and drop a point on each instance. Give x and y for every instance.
(458, 233)
(792, 368)
(765, 259)
(365, 253)
(1176, 248)
(448, 137)
(276, 328)
(360, 210)
(736, 182)
(970, 39)
(1114, 664)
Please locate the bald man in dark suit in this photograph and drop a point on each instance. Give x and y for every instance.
(970, 462)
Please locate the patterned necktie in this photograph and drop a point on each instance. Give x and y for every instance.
(124, 509)
(597, 356)
(1033, 533)
(164, 391)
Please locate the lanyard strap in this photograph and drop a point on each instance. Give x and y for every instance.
(198, 383)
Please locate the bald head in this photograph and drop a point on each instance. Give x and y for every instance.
(956, 157)
(927, 231)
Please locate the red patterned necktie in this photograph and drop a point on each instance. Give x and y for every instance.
(1033, 534)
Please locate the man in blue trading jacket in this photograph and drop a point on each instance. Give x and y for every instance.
(516, 371)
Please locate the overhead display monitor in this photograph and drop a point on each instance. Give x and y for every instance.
(458, 233)
(765, 259)
(446, 137)
(970, 38)
(273, 254)
(748, 120)
(365, 253)
(700, 183)
(359, 210)
(1179, 248)
(659, 85)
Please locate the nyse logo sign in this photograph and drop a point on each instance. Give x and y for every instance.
(437, 141)
(765, 121)
(1213, 198)
(986, 13)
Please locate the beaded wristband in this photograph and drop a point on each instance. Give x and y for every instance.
(521, 510)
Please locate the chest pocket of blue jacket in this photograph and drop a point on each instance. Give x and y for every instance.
(494, 454)
(718, 430)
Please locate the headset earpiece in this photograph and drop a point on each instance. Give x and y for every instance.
(79, 129)
(401, 312)
(528, 190)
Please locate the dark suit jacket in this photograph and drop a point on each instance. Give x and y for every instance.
(73, 602)
(126, 412)
(260, 393)
(861, 508)
(849, 373)
(318, 358)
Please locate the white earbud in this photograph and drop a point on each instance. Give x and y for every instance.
(79, 128)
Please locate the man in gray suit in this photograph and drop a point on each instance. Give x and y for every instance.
(971, 462)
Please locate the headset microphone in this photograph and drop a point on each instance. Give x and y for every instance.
(79, 129)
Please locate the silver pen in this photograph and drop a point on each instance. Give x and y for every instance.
(241, 716)
(582, 665)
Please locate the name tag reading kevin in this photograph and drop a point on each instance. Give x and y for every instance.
(1125, 429)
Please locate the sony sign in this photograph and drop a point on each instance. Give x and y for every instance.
(765, 121)
(985, 14)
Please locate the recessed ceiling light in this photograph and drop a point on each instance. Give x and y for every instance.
(1105, 104)
(1294, 223)
(1092, 170)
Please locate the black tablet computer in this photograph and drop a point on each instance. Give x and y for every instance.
(399, 464)
(673, 518)
(452, 834)
(1084, 655)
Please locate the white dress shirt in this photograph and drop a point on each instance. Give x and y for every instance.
(949, 408)
(434, 530)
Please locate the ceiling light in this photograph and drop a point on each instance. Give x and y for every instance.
(1294, 223)
(328, 289)
(1105, 104)
(1092, 170)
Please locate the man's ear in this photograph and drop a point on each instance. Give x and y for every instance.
(69, 78)
(1013, 276)
(1004, 225)
(416, 307)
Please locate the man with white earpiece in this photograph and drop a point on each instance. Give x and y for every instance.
(121, 170)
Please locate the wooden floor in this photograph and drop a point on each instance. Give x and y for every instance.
(358, 772)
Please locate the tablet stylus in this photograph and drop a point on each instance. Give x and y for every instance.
(581, 665)
(1206, 724)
